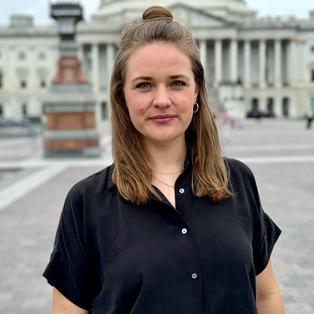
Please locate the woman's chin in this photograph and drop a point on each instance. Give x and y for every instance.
(164, 138)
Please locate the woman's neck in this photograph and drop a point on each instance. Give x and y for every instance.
(167, 158)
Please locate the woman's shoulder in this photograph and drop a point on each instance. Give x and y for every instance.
(240, 174)
(94, 183)
(238, 167)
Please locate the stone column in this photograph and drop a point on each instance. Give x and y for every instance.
(95, 67)
(291, 64)
(110, 61)
(247, 64)
(278, 105)
(218, 61)
(203, 51)
(234, 60)
(109, 65)
(278, 60)
(262, 63)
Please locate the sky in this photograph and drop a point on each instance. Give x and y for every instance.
(39, 8)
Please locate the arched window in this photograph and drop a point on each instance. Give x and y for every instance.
(270, 107)
(286, 107)
(254, 104)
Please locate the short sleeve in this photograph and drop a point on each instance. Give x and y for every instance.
(68, 269)
(265, 231)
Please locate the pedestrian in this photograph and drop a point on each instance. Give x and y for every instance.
(171, 226)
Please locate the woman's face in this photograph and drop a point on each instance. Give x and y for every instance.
(160, 92)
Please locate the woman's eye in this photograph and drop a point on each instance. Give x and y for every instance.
(178, 83)
(143, 85)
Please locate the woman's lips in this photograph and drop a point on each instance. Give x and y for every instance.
(163, 118)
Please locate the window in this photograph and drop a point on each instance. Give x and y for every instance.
(24, 110)
(22, 76)
(312, 75)
(22, 55)
(41, 56)
(23, 84)
(254, 104)
(270, 107)
(42, 74)
(312, 49)
(1, 110)
(104, 111)
(1, 80)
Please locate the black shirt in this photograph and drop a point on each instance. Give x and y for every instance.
(113, 257)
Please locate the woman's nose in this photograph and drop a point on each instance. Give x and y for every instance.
(161, 98)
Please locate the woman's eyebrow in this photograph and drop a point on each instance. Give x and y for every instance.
(142, 78)
(179, 76)
(148, 78)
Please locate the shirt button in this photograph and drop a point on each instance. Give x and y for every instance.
(184, 231)
(181, 191)
(194, 275)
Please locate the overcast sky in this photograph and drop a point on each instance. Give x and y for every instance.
(39, 8)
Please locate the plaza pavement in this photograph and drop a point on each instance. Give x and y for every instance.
(280, 153)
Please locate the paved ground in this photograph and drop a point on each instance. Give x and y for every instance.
(281, 154)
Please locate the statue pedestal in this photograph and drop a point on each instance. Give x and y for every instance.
(69, 104)
(70, 122)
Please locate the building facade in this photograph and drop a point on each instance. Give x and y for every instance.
(251, 63)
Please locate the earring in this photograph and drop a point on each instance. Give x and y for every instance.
(196, 107)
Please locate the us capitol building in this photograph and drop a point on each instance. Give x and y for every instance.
(251, 63)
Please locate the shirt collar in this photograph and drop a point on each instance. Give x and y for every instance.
(187, 166)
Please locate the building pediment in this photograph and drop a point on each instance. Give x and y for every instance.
(194, 18)
(190, 16)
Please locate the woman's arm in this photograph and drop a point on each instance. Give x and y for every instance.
(61, 305)
(268, 297)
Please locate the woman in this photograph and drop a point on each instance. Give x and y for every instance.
(171, 226)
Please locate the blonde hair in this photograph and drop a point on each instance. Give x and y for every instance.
(132, 173)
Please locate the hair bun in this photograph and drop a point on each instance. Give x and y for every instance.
(156, 13)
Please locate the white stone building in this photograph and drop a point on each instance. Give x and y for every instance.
(250, 62)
